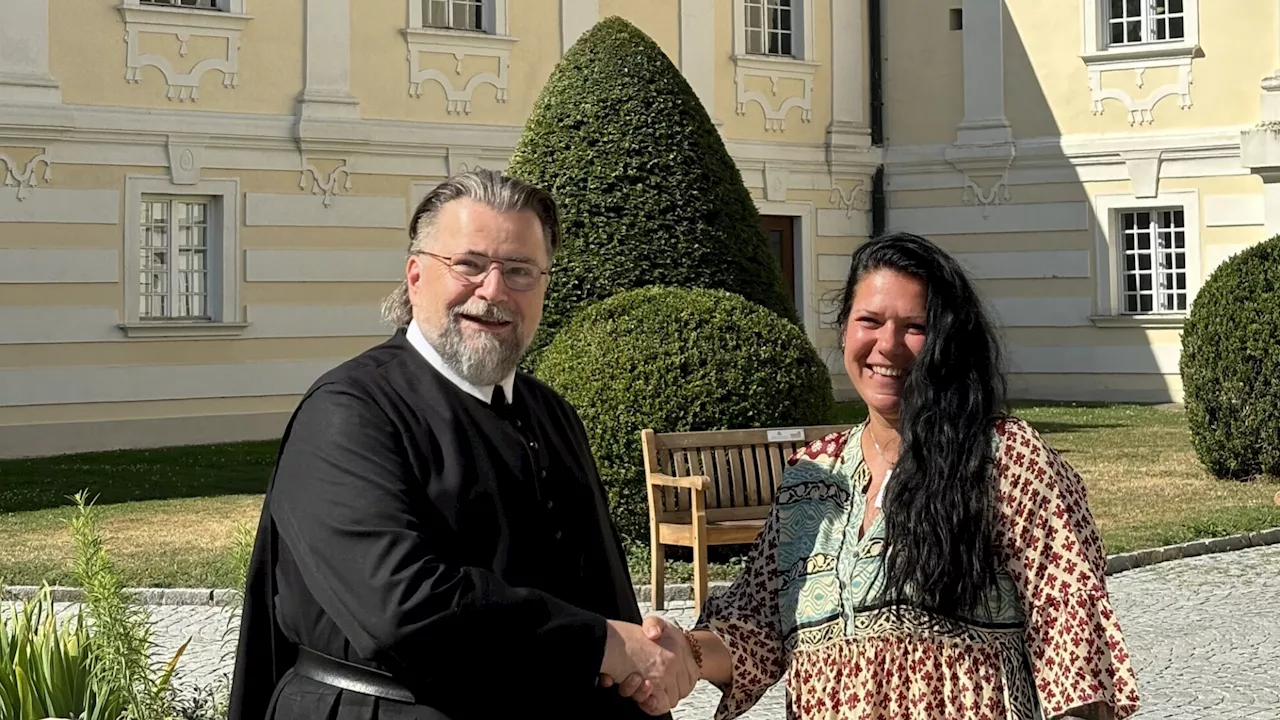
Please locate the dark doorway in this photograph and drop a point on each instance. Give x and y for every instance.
(782, 241)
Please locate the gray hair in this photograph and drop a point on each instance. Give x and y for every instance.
(496, 190)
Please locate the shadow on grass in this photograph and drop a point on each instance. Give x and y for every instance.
(133, 475)
(1063, 428)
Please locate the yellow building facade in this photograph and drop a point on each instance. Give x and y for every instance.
(1091, 162)
(204, 201)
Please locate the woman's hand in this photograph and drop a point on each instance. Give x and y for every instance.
(652, 699)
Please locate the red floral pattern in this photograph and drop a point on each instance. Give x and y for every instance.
(923, 668)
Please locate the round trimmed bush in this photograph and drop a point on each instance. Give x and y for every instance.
(647, 192)
(1231, 365)
(678, 360)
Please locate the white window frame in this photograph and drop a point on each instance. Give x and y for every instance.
(1109, 256)
(802, 34)
(495, 20)
(800, 66)
(223, 243)
(233, 7)
(1097, 49)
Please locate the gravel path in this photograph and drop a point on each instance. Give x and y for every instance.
(1204, 633)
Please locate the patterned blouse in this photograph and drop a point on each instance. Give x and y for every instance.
(808, 604)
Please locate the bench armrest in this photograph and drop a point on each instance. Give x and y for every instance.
(691, 482)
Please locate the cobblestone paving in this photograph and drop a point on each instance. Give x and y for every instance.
(1204, 633)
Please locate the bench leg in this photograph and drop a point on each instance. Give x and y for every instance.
(657, 574)
(699, 574)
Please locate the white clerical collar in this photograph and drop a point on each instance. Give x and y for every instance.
(424, 348)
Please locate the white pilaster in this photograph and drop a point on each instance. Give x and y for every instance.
(850, 70)
(848, 62)
(327, 76)
(576, 17)
(24, 53)
(698, 51)
(1271, 203)
(984, 120)
(1260, 147)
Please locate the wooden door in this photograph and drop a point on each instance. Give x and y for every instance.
(781, 232)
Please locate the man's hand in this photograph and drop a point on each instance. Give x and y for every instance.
(655, 661)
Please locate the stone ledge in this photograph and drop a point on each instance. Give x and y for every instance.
(1143, 558)
(679, 592)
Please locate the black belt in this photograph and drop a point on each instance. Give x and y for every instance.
(350, 676)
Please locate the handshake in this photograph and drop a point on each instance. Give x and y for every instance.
(653, 663)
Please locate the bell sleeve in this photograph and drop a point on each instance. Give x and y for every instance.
(1052, 550)
(746, 619)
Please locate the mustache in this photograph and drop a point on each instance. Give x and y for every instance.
(484, 310)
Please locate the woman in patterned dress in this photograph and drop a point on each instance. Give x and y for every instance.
(937, 561)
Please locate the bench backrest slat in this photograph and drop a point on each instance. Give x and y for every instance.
(745, 467)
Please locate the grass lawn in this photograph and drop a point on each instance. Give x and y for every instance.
(170, 516)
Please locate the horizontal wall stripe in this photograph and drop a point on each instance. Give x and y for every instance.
(1088, 359)
(39, 324)
(1234, 210)
(1031, 264)
(968, 220)
(58, 438)
(297, 210)
(58, 324)
(62, 265)
(1041, 311)
(834, 268)
(841, 223)
(124, 383)
(47, 205)
(324, 265)
(289, 321)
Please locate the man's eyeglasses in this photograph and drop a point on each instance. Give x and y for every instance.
(474, 268)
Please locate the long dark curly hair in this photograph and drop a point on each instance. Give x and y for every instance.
(941, 505)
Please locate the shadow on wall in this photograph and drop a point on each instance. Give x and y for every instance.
(1018, 215)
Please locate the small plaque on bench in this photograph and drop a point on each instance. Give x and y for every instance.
(788, 435)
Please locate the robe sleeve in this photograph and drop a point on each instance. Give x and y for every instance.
(747, 621)
(1052, 550)
(377, 561)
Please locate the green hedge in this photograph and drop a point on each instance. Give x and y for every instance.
(647, 191)
(1231, 365)
(675, 360)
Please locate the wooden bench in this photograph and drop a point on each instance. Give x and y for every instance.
(713, 488)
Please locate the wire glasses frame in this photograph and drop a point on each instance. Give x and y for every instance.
(474, 268)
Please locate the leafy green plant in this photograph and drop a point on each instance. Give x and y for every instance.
(44, 665)
(648, 194)
(1231, 365)
(678, 360)
(119, 664)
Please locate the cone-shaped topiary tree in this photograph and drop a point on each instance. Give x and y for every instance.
(647, 192)
(1231, 365)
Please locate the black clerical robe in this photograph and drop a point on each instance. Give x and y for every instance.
(465, 549)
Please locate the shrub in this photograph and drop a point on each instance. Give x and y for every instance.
(96, 664)
(44, 664)
(677, 360)
(1231, 365)
(647, 192)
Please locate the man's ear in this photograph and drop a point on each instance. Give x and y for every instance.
(413, 271)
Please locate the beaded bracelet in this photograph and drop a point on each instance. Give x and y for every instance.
(695, 647)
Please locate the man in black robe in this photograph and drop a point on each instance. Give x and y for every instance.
(435, 542)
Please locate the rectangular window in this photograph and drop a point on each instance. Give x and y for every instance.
(453, 14)
(1133, 22)
(1154, 266)
(174, 262)
(769, 27)
(198, 4)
